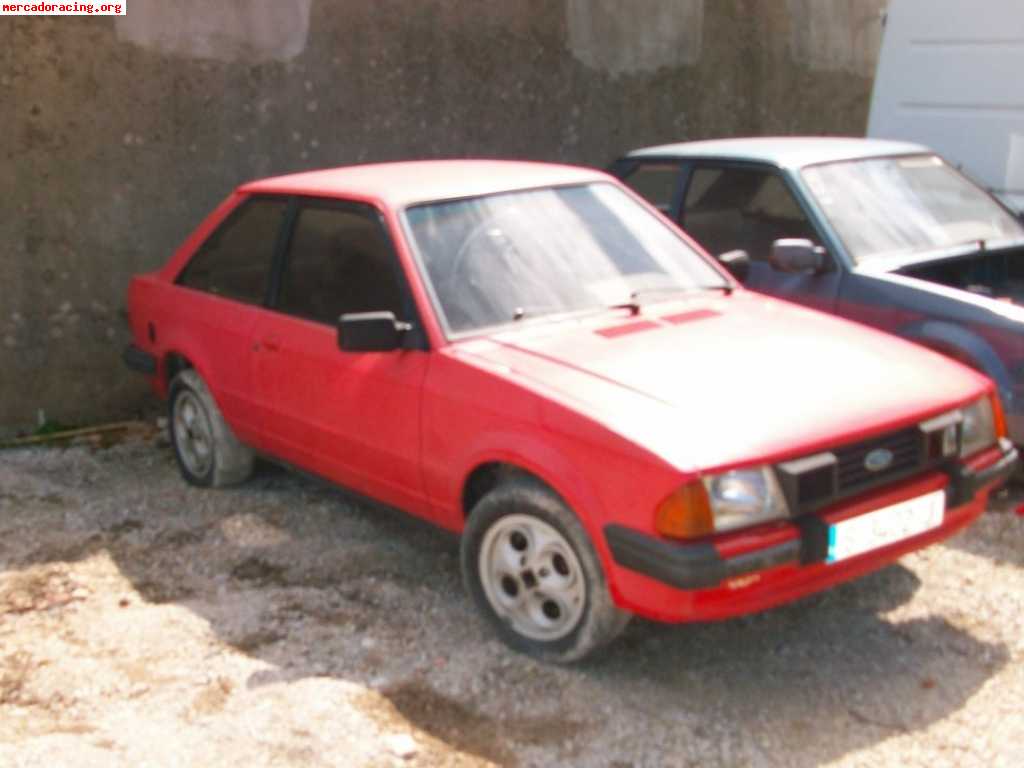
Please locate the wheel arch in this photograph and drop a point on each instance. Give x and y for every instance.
(174, 360)
(961, 344)
(487, 476)
(173, 364)
(543, 463)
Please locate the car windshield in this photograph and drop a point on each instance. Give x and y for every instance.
(891, 206)
(499, 258)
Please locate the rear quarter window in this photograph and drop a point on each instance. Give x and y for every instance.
(235, 259)
(656, 182)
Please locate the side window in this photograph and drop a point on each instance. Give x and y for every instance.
(235, 260)
(656, 182)
(730, 208)
(339, 261)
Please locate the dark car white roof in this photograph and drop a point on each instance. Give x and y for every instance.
(782, 151)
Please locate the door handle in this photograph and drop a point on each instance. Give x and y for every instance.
(270, 345)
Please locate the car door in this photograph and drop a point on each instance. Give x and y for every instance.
(227, 279)
(729, 206)
(351, 417)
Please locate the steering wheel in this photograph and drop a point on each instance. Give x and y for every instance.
(492, 228)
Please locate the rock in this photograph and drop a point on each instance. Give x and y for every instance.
(401, 745)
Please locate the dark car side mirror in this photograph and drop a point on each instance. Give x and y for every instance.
(797, 255)
(737, 262)
(370, 332)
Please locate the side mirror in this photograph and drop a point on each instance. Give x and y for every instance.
(737, 262)
(370, 332)
(797, 256)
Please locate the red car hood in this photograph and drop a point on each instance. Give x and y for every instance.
(715, 380)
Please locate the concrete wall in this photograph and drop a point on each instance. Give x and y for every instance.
(120, 134)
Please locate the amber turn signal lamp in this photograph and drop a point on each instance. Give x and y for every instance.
(686, 513)
(997, 414)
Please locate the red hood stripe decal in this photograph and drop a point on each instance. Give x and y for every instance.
(627, 328)
(693, 314)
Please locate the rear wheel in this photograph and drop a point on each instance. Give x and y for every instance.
(208, 452)
(531, 569)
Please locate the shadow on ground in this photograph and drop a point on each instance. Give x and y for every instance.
(999, 534)
(381, 598)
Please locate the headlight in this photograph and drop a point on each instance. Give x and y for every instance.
(723, 502)
(978, 429)
(742, 497)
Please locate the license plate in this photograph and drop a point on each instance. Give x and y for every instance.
(885, 526)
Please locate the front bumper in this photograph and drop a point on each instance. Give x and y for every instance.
(691, 566)
(789, 554)
(965, 482)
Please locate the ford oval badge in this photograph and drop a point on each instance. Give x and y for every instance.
(878, 459)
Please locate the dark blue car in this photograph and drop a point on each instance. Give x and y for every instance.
(881, 232)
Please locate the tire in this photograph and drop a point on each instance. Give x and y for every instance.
(208, 453)
(532, 571)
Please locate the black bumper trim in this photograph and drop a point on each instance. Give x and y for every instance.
(965, 482)
(139, 360)
(699, 566)
(690, 566)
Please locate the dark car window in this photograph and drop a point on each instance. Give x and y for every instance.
(656, 182)
(741, 208)
(339, 261)
(235, 260)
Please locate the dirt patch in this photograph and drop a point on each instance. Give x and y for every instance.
(212, 698)
(459, 725)
(40, 588)
(449, 721)
(15, 671)
(123, 527)
(254, 641)
(259, 572)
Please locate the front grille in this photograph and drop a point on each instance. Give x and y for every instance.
(907, 447)
(813, 482)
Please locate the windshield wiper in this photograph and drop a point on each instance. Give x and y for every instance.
(536, 309)
(724, 287)
(633, 303)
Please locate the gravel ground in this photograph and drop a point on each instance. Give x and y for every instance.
(144, 622)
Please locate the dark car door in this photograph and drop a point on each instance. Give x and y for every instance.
(352, 417)
(738, 206)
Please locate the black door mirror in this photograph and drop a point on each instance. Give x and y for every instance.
(371, 332)
(797, 256)
(737, 262)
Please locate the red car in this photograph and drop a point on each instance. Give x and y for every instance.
(532, 356)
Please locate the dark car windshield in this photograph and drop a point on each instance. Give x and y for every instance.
(889, 206)
(495, 259)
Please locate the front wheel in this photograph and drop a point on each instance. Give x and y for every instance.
(531, 569)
